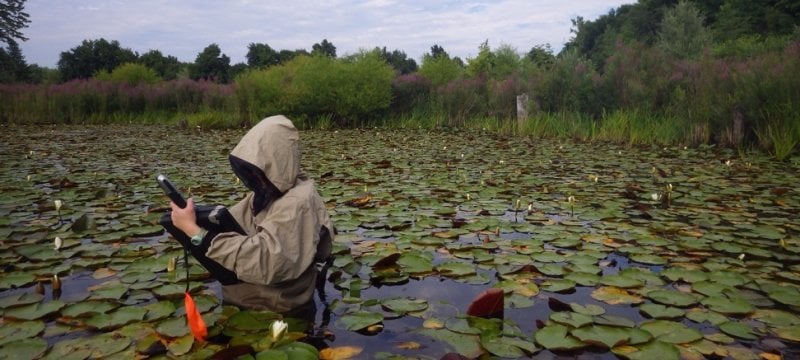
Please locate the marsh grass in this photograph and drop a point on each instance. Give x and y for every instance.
(780, 139)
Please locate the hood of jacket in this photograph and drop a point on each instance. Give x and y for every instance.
(273, 147)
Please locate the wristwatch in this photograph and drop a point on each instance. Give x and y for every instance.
(198, 239)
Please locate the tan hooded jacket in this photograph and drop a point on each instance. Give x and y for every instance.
(276, 260)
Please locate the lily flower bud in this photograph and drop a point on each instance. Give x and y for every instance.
(278, 329)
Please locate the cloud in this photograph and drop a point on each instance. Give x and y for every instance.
(184, 27)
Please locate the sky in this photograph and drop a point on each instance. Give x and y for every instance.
(183, 28)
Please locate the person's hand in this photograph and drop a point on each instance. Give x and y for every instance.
(185, 219)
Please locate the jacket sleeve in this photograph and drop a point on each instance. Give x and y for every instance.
(281, 248)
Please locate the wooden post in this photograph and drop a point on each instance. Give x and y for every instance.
(522, 110)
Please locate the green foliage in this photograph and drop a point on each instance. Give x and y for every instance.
(398, 60)
(13, 67)
(212, 65)
(13, 18)
(682, 32)
(506, 61)
(167, 67)
(440, 70)
(131, 74)
(752, 45)
(324, 48)
(84, 60)
(350, 90)
(780, 139)
(540, 56)
(483, 63)
(262, 55)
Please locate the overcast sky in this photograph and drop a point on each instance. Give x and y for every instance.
(182, 28)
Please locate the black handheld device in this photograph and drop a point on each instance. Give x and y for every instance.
(215, 219)
(171, 191)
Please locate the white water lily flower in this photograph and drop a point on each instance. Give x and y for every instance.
(728, 163)
(278, 329)
(57, 243)
(571, 199)
(58, 204)
(741, 257)
(655, 196)
(29, 178)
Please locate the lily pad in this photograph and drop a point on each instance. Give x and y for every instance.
(18, 330)
(404, 305)
(670, 297)
(34, 311)
(572, 319)
(606, 336)
(738, 329)
(556, 337)
(728, 305)
(658, 311)
(615, 296)
(671, 332)
(360, 320)
(23, 349)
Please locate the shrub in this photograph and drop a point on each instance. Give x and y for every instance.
(131, 74)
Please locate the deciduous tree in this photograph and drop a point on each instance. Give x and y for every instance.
(92, 56)
(325, 48)
(211, 64)
(13, 18)
(167, 67)
(683, 34)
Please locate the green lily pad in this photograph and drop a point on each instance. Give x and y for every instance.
(88, 308)
(109, 291)
(507, 347)
(691, 276)
(360, 320)
(621, 281)
(738, 329)
(15, 280)
(122, 316)
(160, 310)
(558, 285)
(572, 319)
(404, 305)
(700, 316)
(18, 330)
(671, 332)
(34, 311)
(727, 305)
(670, 297)
(589, 309)
(173, 327)
(20, 299)
(648, 259)
(556, 337)
(23, 349)
(181, 345)
(615, 296)
(791, 333)
(466, 345)
(601, 335)
(251, 321)
(658, 311)
(100, 346)
(456, 268)
(652, 350)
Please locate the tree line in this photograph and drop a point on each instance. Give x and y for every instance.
(655, 71)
